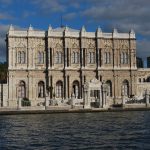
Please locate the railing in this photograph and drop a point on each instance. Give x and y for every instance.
(135, 101)
(25, 102)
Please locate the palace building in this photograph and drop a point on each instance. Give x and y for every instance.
(59, 63)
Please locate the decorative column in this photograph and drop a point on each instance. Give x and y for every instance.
(49, 58)
(46, 100)
(104, 94)
(14, 58)
(98, 60)
(147, 97)
(100, 98)
(82, 80)
(66, 87)
(72, 100)
(82, 58)
(70, 57)
(51, 87)
(10, 57)
(65, 57)
(85, 56)
(19, 103)
(53, 57)
(86, 97)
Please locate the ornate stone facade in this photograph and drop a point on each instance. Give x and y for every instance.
(59, 61)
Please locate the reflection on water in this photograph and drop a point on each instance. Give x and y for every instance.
(117, 130)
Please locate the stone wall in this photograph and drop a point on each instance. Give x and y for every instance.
(3, 95)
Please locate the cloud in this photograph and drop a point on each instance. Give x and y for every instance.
(5, 2)
(143, 48)
(70, 16)
(56, 6)
(3, 29)
(123, 13)
(5, 16)
(48, 6)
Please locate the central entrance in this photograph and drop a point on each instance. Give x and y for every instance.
(95, 94)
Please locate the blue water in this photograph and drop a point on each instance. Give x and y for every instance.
(106, 130)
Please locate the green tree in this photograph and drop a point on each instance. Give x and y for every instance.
(3, 72)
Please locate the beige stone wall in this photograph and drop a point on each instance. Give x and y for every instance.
(32, 42)
(3, 95)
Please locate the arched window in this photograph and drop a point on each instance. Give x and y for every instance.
(109, 84)
(40, 57)
(125, 88)
(58, 57)
(107, 58)
(22, 90)
(75, 57)
(59, 89)
(91, 57)
(124, 58)
(41, 89)
(76, 89)
(21, 57)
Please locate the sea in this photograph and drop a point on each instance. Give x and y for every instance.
(72, 131)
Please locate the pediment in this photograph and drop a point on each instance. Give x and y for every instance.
(124, 46)
(107, 46)
(95, 81)
(74, 45)
(58, 46)
(21, 45)
(40, 45)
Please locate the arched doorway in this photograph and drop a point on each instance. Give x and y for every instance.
(41, 89)
(109, 86)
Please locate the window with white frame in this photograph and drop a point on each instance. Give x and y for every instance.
(75, 57)
(124, 58)
(41, 89)
(91, 57)
(40, 57)
(21, 57)
(22, 90)
(107, 58)
(58, 58)
(59, 89)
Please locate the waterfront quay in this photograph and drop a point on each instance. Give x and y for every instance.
(53, 110)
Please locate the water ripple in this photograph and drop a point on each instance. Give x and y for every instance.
(116, 130)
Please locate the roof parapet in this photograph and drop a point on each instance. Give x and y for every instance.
(115, 33)
(99, 32)
(11, 28)
(50, 28)
(132, 34)
(30, 28)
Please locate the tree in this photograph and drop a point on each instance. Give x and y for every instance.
(3, 72)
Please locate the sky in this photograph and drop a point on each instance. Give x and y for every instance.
(107, 14)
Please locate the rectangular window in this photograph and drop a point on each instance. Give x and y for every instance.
(91, 58)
